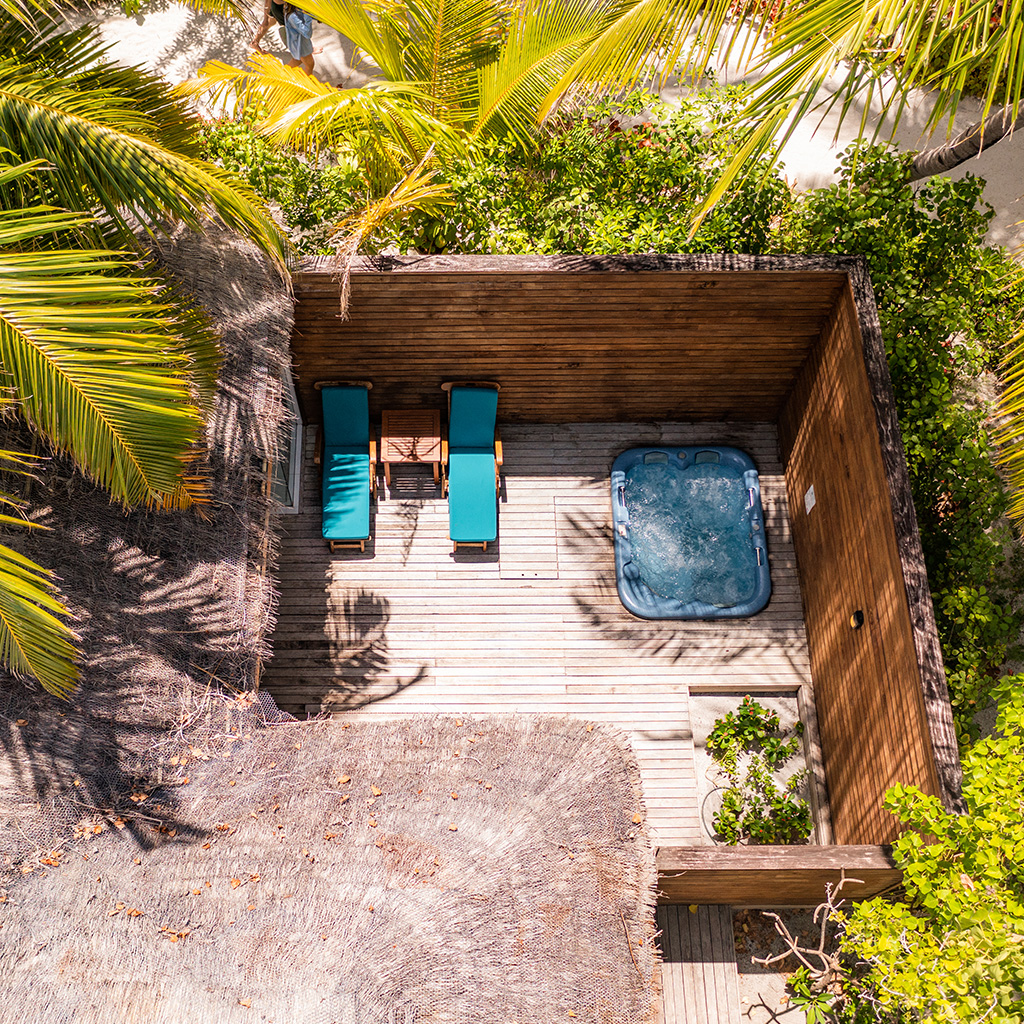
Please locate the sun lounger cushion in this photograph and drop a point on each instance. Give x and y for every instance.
(346, 493)
(472, 497)
(346, 416)
(471, 419)
(346, 463)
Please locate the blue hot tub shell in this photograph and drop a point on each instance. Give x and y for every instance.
(634, 593)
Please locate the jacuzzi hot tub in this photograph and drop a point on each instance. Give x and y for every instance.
(689, 533)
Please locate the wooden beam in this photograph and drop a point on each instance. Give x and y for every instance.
(771, 876)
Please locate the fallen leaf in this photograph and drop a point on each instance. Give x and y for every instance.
(454, 795)
(344, 779)
(255, 877)
(22, 721)
(173, 760)
(458, 722)
(222, 826)
(590, 726)
(344, 798)
(138, 860)
(373, 823)
(637, 818)
(133, 912)
(487, 785)
(172, 937)
(323, 935)
(273, 764)
(376, 791)
(207, 846)
(371, 909)
(185, 781)
(252, 906)
(235, 883)
(693, 908)
(231, 783)
(247, 1003)
(197, 892)
(453, 827)
(380, 843)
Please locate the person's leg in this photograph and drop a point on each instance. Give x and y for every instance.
(307, 64)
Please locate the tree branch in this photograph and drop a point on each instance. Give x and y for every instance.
(969, 143)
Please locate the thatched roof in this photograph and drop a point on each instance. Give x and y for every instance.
(173, 848)
(443, 870)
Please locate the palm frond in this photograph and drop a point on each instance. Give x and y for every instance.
(1010, 436)
(313, 115)
(420, 189)
(117, 138)
(34, 640)
(99, 360)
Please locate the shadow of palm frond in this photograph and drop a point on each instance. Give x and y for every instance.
(356, 628)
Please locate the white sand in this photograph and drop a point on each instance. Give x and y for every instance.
(175, 42)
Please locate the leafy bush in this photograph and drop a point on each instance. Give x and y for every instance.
(749, 748)
(952, 948)
(310, 197)
(609, 178)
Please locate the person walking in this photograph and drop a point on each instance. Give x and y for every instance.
(298, 33)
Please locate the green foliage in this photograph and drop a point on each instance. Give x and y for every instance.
(749, 748)
(608, 178)
(311, 196)
(953, 949)
(947, 307)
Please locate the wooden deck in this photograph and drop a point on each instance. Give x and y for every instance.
(700, 982)
(536, 625)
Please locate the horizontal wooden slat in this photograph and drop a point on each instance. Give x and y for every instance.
(565, 346)
(771, 876)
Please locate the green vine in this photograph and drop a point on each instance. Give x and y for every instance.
(749, 748)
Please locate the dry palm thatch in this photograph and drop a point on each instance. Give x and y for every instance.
(166, 603)
(414, 870)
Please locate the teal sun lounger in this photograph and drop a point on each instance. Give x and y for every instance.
(348, 456)
(473, 456)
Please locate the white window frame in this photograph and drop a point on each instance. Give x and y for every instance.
(291, 401)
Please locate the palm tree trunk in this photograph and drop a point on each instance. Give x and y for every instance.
(970, 142)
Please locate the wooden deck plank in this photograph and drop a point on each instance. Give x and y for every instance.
(536, 624)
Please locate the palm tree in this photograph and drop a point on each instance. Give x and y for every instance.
(99, 356)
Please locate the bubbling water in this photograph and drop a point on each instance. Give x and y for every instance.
(690, 532)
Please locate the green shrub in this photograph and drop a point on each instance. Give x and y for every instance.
(311, 197)
(749, 748)
(609, 178)
(948, 307)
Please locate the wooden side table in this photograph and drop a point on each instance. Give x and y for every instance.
(410, 435)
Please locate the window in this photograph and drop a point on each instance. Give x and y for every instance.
(284, 484)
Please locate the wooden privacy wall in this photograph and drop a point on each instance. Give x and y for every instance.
(584, 346)
(867, 681)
